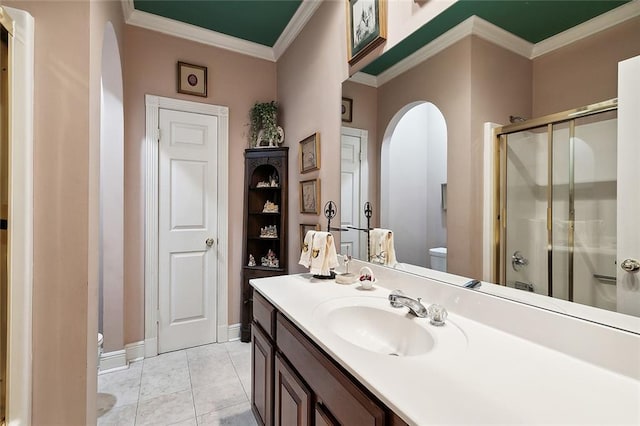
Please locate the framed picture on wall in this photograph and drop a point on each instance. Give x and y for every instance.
(366, 27)
(304, 228)
(310, 153)
(310, 196)
(192, 79)
(347, 110)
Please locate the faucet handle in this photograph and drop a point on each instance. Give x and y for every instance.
(437, 314)
(392, 298)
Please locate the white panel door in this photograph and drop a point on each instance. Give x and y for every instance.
(353, 191)
(628, 232)
(187, 230)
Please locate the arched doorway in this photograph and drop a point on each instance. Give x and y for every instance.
(414, 167)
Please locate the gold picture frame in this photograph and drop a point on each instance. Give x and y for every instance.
(309, 157)
(347, 110)
(304, 228)
(192, 79)
(366, 27)
(310, 196)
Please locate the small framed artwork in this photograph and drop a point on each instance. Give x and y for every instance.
(366, 26)
(304, 228)
(192, 79)
(310, 196)
(310, 153)
(347, 109)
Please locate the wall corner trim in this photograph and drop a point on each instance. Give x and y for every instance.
(304, 13)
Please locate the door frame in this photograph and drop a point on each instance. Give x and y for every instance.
(21, 119)
(364, 175)
(153, 105)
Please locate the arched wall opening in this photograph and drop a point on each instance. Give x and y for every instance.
(413, 171)
(111, 283)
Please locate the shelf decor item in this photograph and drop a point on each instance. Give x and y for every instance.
(310, 153)
(264, 131)
(192, 79)
(366, 27)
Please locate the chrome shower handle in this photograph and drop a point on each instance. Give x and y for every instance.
(518, 261)
(630, 265)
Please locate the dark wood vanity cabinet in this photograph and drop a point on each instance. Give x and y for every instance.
(303, 384)
(266, 181)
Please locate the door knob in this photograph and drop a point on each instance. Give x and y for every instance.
(209, 242)
(630, 265)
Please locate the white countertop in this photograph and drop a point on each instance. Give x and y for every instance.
(494, 378)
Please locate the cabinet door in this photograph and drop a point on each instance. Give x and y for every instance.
(292, 398)
(261, 376)
(323, 417)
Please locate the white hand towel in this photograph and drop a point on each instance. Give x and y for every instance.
(305, 253)
(381, 247)
(323, 254)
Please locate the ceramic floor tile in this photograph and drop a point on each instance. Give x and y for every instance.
(165, 362)
(133, 372)
(166, 409)
(189, 422)
(221, 394)
(237, 415)
(205, 351)
(124, 391)
(119, 416)
(237, 346)
(214, 369)
(164, 382)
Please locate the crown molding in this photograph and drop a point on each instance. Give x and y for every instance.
(304, 13)
(588, 28)
(470, 26)
(364, 78)
(194, 33)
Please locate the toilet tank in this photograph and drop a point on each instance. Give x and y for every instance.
(438, 258)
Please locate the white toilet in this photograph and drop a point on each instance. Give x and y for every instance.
(438, 258)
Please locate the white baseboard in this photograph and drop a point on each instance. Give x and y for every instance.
(135, 351)
(113, 361)
(234, 332)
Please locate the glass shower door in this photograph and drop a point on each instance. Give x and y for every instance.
(525, 209)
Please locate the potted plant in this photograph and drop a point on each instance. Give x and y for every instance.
(264, 117)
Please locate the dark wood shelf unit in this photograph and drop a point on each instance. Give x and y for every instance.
(260, 165)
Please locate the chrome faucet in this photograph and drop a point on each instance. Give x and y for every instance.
(398, 299)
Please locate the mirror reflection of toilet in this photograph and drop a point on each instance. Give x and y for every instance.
(438, 258)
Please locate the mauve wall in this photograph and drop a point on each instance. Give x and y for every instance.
(310, 74)
(444, 81)
(235, 81)
(584, 72)
(68, 43)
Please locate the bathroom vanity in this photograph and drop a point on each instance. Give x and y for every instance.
(325, 354)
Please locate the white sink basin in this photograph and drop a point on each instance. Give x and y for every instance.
(371, 323)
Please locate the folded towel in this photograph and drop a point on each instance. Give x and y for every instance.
(323, 254)
(382, 249)
(305, 253)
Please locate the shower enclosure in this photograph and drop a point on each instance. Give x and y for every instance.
(557, 205)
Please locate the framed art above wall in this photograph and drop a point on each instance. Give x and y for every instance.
(366, 27)
(192, 79)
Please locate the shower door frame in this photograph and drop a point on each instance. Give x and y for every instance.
(500, 197)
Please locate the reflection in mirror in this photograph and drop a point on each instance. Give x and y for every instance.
(575, 258)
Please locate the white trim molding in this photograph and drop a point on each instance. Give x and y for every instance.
(19, 361)
(134, 351)
(113, 361)
(153, 105)
(234, 332)
(186, 31)
(496, 35)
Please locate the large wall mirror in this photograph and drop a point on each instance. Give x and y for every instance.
(413, 145)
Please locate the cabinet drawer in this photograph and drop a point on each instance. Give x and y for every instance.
(346, 402)
(264, 313)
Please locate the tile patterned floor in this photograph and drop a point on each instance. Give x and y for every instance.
(207, 385)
